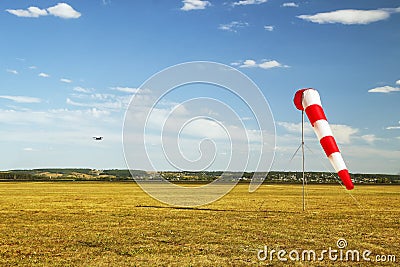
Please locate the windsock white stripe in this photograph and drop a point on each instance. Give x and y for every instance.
(310, 97)
(337, 161)
(322, 129)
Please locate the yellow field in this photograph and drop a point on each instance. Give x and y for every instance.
(116, 224)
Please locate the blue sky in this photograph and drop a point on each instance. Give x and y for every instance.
(69, 69)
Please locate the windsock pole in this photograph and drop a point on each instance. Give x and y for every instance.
(303, 159)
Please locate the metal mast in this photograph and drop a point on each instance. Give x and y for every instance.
(302, 152)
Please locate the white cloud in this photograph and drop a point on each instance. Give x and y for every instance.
(31, 12)
(73, 115)
(73, 103)
(249, 2)
(125, 89)
(266, 64)
(370, 138)
(82, 90)
(194, 5)
(351, 16)
(290, 4)
(393, 127)
(269, 28)
(100, 101)
(32, 67)
(12, 71)
(295, 128)
(248, 63)
(343, 133)
(44, 75)
(64, 80)
(270, 64)
(61, 10)
(384, 89)
(37, 11)
(64, 11)
(196, 129)
(22, 99)
(233, 26)
(398, 82)
(100, 105)
(103, 97)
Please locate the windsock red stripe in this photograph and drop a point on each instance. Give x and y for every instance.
(315, 113)
(345, 177)
(329, 145)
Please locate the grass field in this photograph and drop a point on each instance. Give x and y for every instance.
(116, 224)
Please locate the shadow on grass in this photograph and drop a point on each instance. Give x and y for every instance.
(211, 209)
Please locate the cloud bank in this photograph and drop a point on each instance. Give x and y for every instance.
(249, 2)
(194, 5)
(233, 26)
(351, 16)
(266, 64)
(384, 89)
(61, 10)
(290, 4)
(21, 99)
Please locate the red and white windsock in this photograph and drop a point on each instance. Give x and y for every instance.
(308, 100)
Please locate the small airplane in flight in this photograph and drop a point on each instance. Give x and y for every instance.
(97, 138)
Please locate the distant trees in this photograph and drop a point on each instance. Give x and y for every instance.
(16, 176)
(85, 174)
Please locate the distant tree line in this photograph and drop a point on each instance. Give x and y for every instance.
(64, 171)
(87, 174)
(17, 176)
